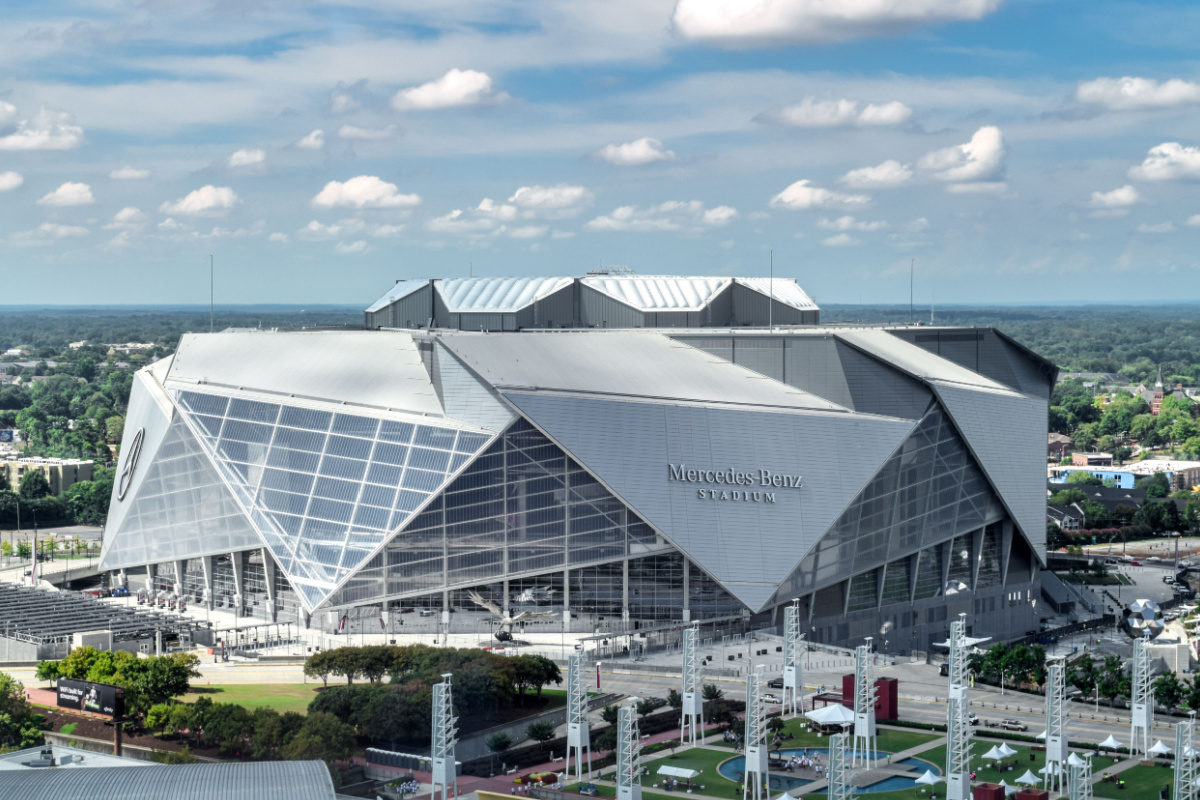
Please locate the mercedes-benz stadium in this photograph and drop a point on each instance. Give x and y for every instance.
(627, 452)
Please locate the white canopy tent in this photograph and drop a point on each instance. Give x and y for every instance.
(681, 773)
(994, 754)
(928, 779)
(1008, 790)
(1006, 751)
(836, 714)
(1110, 743)
(1159, 749)
(1074, 760)
(1029, 778)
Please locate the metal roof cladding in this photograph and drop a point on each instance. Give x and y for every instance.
(784, 290)
(496, 294)
(658, 292)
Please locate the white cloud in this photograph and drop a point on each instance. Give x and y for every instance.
(247, 158)
(314, 140)
(7, 111)
(340, 103)
(636, 153)
(673, 215)
(365, 191)
(128, 217)
(128, 173)
(813, 113)
(385, 231)
(569, 234)
(529, 232)
(841, 240)
(551, 202)
(457, 222)
(51, 230)
(917, 225)
(170, 224)
(343, 227)
(355, 133)
(1193, 221)
(980, 187)
(1167, 162)
(456, 88)
(1126, 94)
(352, 248)
(69, 194)
(1162, 227)
(849, 223)
(10, 181)
(203, 201)
(121, 239)
(46, 130)
(280, 238)
(742, 23)
(803, 195)
(981, 159)
(1115, 203)
(887, 175)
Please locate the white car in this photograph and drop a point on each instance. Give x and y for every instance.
(771, 699)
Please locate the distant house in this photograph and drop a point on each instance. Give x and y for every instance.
(1067, 518)
(1060, 444)
(1091, 459)
(1154, 397)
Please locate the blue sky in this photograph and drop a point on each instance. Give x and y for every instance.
(1019, 151)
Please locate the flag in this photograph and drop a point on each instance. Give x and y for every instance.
(342, 624)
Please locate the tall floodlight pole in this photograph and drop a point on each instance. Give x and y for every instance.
(753, 785)
(443, 740)
(839, 770)
(629, 760)
(212, 289)
(578, 730)
(864, 706)
(958, 727)
(692, 725)
(1142, 719)
(1185, 761)
(1079, 787)
(1056, 727)
(793, 669)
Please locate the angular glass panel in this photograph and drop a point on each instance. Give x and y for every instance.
(355, 426)
(440, 438)
(398, 432)
(305, 418)
(252, 410)
(199, 403)
(348, 447)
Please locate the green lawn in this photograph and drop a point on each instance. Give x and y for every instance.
(891, 741)
(279, 696)
(1141, 783)
(611, 791)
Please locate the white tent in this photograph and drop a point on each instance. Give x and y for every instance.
(1074, 760)
(1159, 749)
(1111, 743)
(836, 714)
(993, 754)
(1029, 778)
(1041, 735)
(1006, 751)
(928, 779)
(682, 773)
(1008, 790)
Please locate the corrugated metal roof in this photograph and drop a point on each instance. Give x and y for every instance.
(74, 758)
(644, 365)
(379, 369)
(915, 361)
(464, 295)
(263, 780)
(658, 292)
(399, 290)
(784, 290)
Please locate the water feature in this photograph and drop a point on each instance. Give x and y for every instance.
(734, 768)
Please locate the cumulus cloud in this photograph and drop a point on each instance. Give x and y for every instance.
(743, 23)
(551, 202)
(457, 222)
(128, 173)
(887, 175)
(343, 227)
(352, 248)
(247, 158)
(52, 230)
(365, 191)
(314, 140)
(1129, 94)
(1115, 203)
(170, 224)
(206, 200)
(979, 160)
(7, 111)
(46, 130)
(457, 88)
(803, 195)
(355, 133)
(841, 240)
(978, 187)
(849, 223)
(1193, 221)
(1168, 162)
(128, 217)
(69, 194)
(674, 215)
(10, 181)
(813, 113)
(636, 153)
(1162, 227)
(529, 232)
(278, 238)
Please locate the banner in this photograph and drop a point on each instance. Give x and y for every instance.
(97, 698)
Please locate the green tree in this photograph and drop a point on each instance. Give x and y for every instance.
(272, 732)
(645, 707)
(319, 665)
(183, 756)
(711, 692)
(498, 742)
(158, 716)
(1192, 696)
(674, 699)
(19, 726)
(1082, 675)
(609, 714)
(776, 726)
(534, 672)
(85, 368)
(1168, 691)
(229, 727)
(34, 485)
(540, 731)
(322, 736)
(47, 671)
(1112, 678)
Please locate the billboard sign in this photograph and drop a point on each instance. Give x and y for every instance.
(96, 698)
(6, 435)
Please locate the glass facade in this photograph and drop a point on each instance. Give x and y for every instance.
(324, 489)
(897, 581)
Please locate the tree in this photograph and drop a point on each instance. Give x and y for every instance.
(1192, 698)
(1168, 691)
(19, 726)
(159, 716)
(1082, 675)
(374, 661)
(534, 672)
(322, 736)
(645, 707)
(34, 485)
(47, 671)
(272, 731)
(85, 368)
(1111, 679)
(609, 714)
(498, 742)
(776, 726)
(229, 727)
(674, 699)
(711, 692)
(540, 731)
(319, 665)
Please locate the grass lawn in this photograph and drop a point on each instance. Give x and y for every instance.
(892, 741)
(1141, 783)
(611, 791)
(279, 696)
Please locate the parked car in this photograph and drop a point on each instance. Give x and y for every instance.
(658, 702)
(972, 719)
(775, 683)
(771, 699)
(120, 591)
(1168, 579)
(944, 670)
(1135, 563)
(1013, 725)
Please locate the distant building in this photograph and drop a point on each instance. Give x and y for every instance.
(1180, 474)
(130, 347)
(1067, 518)
(1154, 397)
(1091, 459)
(61, 473)
(79, 344)
(1059, 445)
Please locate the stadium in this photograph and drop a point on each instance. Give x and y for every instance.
(613, 452)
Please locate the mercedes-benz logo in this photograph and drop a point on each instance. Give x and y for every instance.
(135, 452)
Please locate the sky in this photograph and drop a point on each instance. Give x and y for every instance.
(1003, 150)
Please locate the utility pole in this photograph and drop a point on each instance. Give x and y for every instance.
(212, 283)
(771, 291)
(911, 262)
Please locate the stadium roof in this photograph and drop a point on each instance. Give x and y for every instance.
(465, 295)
